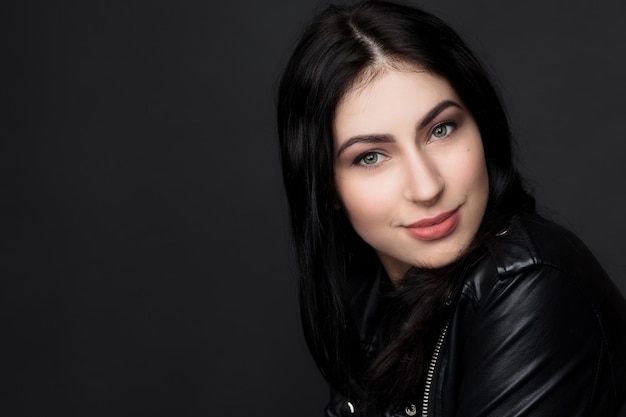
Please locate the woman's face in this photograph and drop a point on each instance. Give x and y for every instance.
(410, 169)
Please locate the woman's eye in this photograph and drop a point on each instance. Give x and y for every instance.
(442, 130)
(370, 158)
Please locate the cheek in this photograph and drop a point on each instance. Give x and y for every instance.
(467, 168)
(365, 200)
(473, 166)
(472, 176)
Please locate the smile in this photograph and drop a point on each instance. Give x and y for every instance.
(436, 227)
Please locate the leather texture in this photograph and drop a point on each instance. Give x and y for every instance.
(537, 328)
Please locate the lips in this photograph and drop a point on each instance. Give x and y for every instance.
(436, 227)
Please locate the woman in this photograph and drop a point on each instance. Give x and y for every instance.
(428, 283)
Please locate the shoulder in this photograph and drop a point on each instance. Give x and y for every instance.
(534, 271)
(531, 242)
(537, 320)
(534, 252)
(540, 274)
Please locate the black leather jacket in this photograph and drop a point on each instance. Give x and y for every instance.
(537, 329)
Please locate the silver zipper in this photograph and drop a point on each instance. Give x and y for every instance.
(431, 370)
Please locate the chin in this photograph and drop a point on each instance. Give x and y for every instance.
(441, 259)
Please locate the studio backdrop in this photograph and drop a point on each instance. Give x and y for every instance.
(145, 260)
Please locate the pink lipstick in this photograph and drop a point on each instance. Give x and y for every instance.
(435, 227)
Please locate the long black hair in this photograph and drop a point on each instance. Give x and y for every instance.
(341, 46)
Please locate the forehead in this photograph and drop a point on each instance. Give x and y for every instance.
(391, 96)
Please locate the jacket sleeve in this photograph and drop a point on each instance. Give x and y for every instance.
(533, 348)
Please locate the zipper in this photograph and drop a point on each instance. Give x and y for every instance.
(431, 369)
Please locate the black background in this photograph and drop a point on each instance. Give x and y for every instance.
(145, 261)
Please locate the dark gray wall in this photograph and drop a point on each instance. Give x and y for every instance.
(145, 265)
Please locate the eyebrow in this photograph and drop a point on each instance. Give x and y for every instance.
(364, 139)
(434, 112)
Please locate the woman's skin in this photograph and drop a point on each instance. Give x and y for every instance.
(410, 169)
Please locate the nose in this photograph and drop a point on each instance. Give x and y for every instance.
(424, 183)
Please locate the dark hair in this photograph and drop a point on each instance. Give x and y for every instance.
(341, 46)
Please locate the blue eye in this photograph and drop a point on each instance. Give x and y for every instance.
(442, 130)
(370, 159)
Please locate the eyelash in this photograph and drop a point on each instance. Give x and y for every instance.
(359, 159)
(450, 126)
